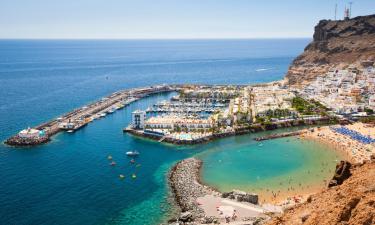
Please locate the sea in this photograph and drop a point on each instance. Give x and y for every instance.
(69, 180)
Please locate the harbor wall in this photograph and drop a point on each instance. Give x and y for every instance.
(52, 127)
(238, 131)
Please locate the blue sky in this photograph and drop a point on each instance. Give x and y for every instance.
(124, 19)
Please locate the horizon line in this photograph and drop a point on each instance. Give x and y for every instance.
(119, 39)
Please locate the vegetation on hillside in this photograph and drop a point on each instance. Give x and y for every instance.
(308, 107)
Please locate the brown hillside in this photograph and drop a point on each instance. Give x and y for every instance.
(336, 43)
(353, 202)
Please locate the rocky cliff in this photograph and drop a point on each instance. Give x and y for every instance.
(352, 202)
(337, 44)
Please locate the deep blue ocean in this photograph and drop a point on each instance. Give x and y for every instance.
(69, 181)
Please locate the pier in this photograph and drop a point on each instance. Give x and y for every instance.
(80, 117)
(282, 135)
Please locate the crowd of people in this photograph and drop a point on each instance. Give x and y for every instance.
(354, 135)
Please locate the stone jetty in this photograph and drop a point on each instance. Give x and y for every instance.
(281, 135)
(184, 180)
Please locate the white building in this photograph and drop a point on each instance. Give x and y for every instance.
(29, 133)
(371, 102)
(66, 125)
(138, 119)
(173, 122)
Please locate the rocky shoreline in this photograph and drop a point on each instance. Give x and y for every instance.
(184, 180)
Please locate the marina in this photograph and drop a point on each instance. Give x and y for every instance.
(185, 108)
(80, 117)
(112, 113)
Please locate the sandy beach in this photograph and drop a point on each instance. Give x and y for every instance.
(356, 151)
(202, 204)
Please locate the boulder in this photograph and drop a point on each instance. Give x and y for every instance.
(251, 198)
(341, 174)
(186, 217)
(210, 220)
(304, 217)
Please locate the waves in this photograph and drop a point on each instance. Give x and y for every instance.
(263, 69)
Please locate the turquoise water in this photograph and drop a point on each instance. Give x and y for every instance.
(289, 165)
(69, 180)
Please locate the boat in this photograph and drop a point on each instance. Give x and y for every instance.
(134, 176)
(109, 157)
(113, 163)
(132, 153)
(70, 131)
(132, 161)
(121, 176)
(102, 114)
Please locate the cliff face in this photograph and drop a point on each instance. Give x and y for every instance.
(353, 203)
(335, 44)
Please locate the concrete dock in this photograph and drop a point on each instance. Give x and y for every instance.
(78, 118)
(281, 135)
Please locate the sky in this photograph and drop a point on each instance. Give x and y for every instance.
(168, 19)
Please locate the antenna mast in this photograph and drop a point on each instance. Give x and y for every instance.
(350, 9)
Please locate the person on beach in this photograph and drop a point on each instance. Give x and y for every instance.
(234, 217)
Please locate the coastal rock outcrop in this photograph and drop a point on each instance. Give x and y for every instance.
(352, 202)
(336, 44)
(342, 173)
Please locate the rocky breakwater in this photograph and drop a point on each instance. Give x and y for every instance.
(184, 180)
(20, 141)
(336, 44)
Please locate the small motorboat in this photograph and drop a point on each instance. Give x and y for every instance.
(134, 176)
(70, 131)
(109, 157)
(113, 163)
(132, 153)
(121, 176)
(132, 161)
